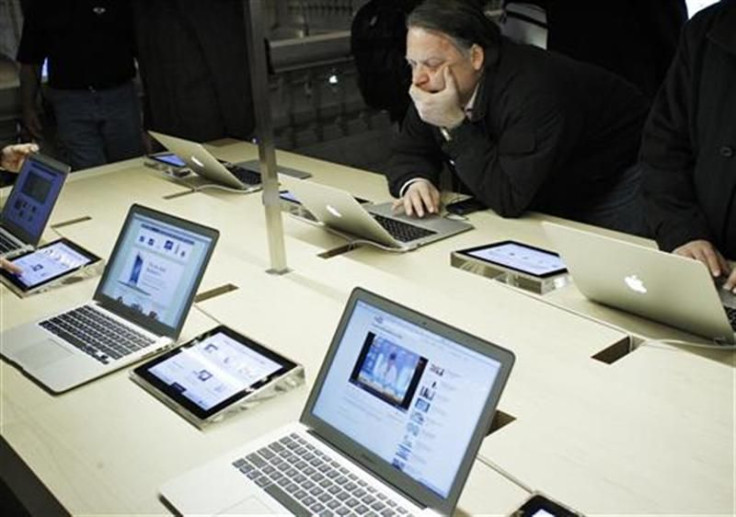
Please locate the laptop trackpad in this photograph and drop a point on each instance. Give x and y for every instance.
(41, 354)
(250, 506)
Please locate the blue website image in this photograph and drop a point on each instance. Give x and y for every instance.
(155, 268)
(33, 198)
(425, 392)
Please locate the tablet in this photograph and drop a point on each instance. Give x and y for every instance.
(540, 506)
(212, 373)
(168, 158)
(519, 257)
(47, 264)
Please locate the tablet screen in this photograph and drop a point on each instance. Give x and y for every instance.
(49, 263)
(520, 257)
(169, 159)
(213, 371)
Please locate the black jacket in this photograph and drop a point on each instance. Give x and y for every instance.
(689, 144)
(547, 133)
(193, 59)
(635, 39)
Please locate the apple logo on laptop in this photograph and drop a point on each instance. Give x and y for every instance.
(197, 162)
(331, 209)
(635, 284)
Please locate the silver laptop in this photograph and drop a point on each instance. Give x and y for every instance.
(339, 210)
(138, 309)
(29, 205)
(674, 290)
(429, 388)
(244, 175)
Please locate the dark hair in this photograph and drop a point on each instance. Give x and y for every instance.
(462, 20)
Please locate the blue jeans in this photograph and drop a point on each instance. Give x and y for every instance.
(95, 127)
(621, 208)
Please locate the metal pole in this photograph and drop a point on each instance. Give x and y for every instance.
(264, 130)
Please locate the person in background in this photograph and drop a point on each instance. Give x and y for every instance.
(194, 66)
(520, 128)
(89, 48)
(688, 149)
(635, 39)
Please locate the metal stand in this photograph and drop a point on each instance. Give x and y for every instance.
(264, 129)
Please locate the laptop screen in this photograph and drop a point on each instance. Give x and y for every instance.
(156, 267)
(411, 396)
(29, 205)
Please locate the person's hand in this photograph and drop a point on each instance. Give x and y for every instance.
(706, 253)
(442, 108)
(13, 156)
(420, 197)
(9, 266)
(32, 122)
(730, 283)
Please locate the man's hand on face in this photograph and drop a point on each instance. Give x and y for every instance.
(442, 108)
(420, 198)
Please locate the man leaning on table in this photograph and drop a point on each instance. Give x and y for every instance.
(521, 128)
(11, 159)
(689, 146)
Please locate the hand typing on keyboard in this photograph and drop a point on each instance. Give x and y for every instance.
(420, 198)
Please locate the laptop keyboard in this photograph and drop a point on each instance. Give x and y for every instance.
(731, 313)
(246, 176)
(401, 231)
(96, 334)
(308, 481)
(7, 244)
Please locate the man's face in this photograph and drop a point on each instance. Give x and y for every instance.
(429, 53)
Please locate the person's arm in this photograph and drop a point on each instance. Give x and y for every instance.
(415, 164)
(30, 85)
(505, 173)
(668, 155)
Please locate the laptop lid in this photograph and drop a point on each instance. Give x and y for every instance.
(155, 269)
(674, 290)
(200, 160)
(431, 389)
(338, 209)
(29, 205)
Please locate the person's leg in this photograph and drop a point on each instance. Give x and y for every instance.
(77, 127)
(622, 207)
(122, 127)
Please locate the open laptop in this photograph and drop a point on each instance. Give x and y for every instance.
(339, 210)
(138, 309)
(245, 175)
(29, 205)
(674, 290)
(430, 389)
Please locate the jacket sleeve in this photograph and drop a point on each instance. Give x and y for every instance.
(506, 173)
(668, 156)
(415, 153)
